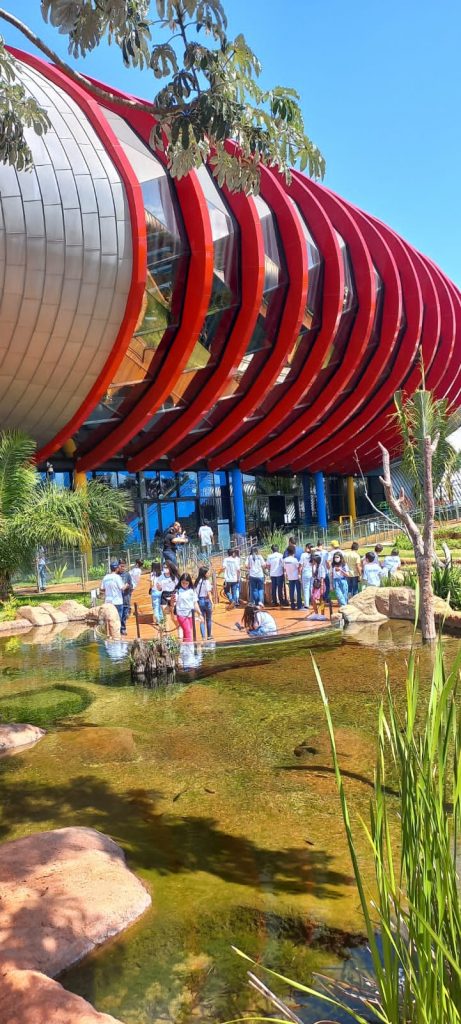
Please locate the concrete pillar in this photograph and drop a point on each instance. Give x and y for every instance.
(144, 510)
(322, 518)
(238, 502)
(306, 483)
(351, 498)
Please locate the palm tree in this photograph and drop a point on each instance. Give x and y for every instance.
(424, 426)
(33, 513)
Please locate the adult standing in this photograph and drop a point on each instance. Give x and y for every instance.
(255, 566)
(291, 566)
(231, 569)
(206, 538)
(172, 538)
(112, 587)
(306, 574)
(128, 588)
(354, 564)
(324, 558)
(275, 565)
(298, 549)
(203, 590)
(42, 570)
(136, 571)
(339, 577)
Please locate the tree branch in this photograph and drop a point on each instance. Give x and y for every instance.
(396, 504)
(379, 511)
(95, 90)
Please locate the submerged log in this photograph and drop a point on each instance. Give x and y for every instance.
(152, 662)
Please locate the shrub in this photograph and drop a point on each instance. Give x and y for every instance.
(447, 584)
(8, 610)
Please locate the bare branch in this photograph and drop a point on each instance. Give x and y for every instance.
(396, 504)
(379, 511)
(86, 83)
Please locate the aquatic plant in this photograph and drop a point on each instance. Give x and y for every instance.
(413, 833)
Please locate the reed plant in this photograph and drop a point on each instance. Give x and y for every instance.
(413, 924)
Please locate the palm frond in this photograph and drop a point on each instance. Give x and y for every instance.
(17, 471)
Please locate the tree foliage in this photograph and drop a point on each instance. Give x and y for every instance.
(210, 105)
(33, 513)
(419, 416)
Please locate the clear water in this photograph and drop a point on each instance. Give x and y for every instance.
(235, 830)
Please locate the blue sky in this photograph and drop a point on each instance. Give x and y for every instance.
(381, 94)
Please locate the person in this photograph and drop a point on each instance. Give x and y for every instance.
(156, 592)
(291, 566)
(376, 554)
(334, 547)
(184, 605)
(168, 581)
(206, 537)
(42, 570)
(392, 562)
(231, 569)
(173, 536)
(136, 571)
(324, 555)
(50, 474)
(203, 591)
(372, 571)
(298, 549)
(126, 597)
(318, 584)
(258, 622)
(255, 566)
(275, 565)
(112, 587)
(339, 574)
(306, 574)
(354, 564)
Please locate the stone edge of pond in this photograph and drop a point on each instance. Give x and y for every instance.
(63, 893)
(16, 735)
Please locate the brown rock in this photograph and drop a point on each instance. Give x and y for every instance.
(109, 619)
(63, 893)
(56, 615)
(74, 610)
(452, 623)
(15, 626)
(19, 734)
(35, 615)
(362, 608)
(28, 997)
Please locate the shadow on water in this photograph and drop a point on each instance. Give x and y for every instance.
(170, 844)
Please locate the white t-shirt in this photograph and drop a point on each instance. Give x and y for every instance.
(291, 567)
(185, 601)
(231, 566)
(255, 566)
(206, 535)
(135, 576)
(391, 563)
(275, 563)
(372, 573)
(267, 622)
(324, 555)
(306, 565)
(168, 584)
(113, 588)
(203, 588)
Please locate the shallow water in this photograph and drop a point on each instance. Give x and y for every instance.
(236, 830)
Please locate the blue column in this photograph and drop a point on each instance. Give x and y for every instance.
(238, 502)
(306, 482)
(321, 501)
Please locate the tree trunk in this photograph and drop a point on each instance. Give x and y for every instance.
(425, 563)
(426, 597)
(6, 589)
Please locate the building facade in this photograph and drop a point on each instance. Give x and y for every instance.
(171, 330)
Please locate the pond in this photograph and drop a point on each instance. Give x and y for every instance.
(221, 792)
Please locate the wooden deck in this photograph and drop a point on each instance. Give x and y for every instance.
(225, 630)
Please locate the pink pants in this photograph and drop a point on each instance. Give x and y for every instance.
(185, 621)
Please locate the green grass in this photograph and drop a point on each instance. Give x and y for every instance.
(46, 706)
(52, 598)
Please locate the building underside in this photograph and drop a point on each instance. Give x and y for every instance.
(160, 325)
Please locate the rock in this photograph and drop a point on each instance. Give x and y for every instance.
(19, 735)
(74, 610)
(19, 625)
(362, 608)
(45, 635)
(56, 615)
(28, 997)
(452, 623)
(63, 893)
(35, 615)
(109, 619)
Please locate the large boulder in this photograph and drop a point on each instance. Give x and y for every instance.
(63, 893)
(362, 608)
(28, 997)
(109, 619)
(35, 615)
(19, 734)
(56, 615)
(74, 610)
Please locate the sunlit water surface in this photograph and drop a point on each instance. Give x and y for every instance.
(236, 832)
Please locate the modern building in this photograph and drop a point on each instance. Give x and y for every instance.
(181, 337)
